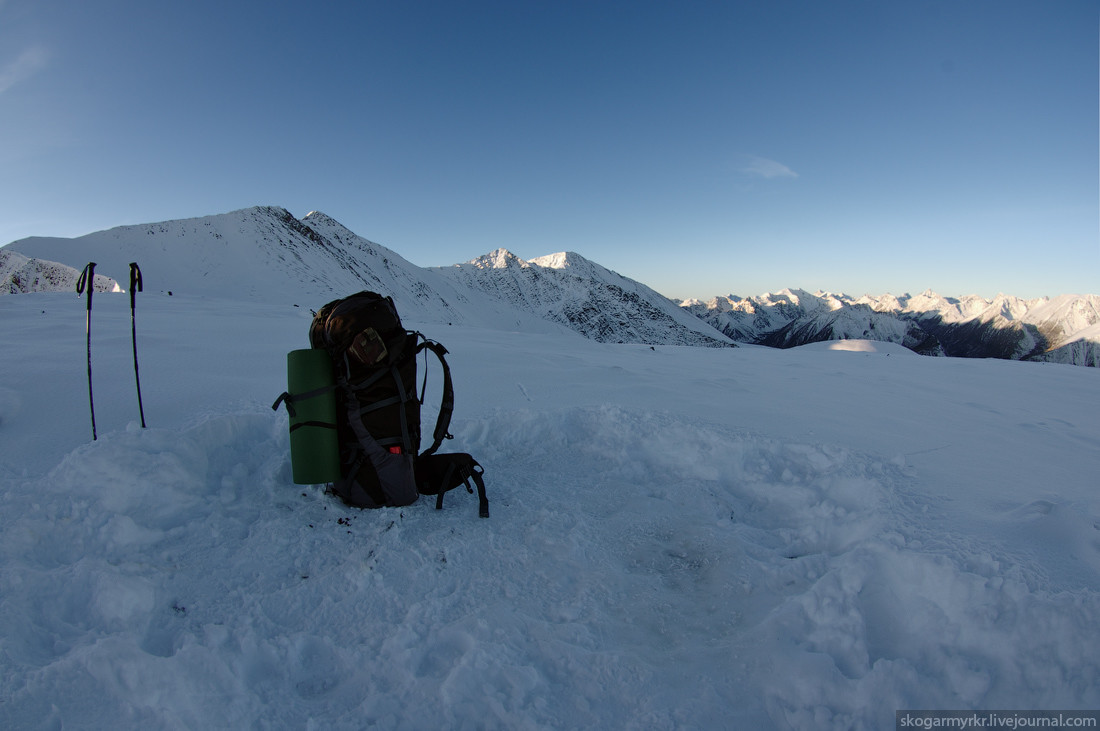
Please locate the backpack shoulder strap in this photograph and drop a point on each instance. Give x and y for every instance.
(447, 405)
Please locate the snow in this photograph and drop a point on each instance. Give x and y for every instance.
(265, 254)
(19, 274)
(566, 288)
(1058, 330)
(680, 537)
(861, 346)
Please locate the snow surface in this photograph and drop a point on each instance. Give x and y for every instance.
(20, 274)
(265, 254)
(583, 296)
(1006, 326)
(680, 537)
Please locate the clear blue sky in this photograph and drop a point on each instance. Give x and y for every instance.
(703, 148)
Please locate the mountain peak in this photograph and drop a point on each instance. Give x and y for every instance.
(573, 264)
(561, 260)
(318, 217)
(498, 259)
(328, 225)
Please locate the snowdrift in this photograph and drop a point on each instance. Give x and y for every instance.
(681, 537)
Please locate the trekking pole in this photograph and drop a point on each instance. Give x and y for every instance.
(87, 278)
(135, 286)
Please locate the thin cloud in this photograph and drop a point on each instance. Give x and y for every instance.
(22, 68)
(765, 168)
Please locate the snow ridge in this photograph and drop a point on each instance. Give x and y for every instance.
(264, 253)
(1061, 329)
(584, 296)
(681, 537)
(19, 275)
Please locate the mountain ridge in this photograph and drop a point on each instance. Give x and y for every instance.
(585, 296)
(1061, 329)
(265, 253)
(21, 275)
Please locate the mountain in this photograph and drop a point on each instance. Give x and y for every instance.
(19, 275)
(681, 537)
(855, 322)
(1010, 327)
(598, 303)
(1061, 329)
(266, 254)
(1082, 349)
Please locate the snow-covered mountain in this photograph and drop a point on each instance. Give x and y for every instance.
(1061, 329)
(266, 254)
(596, 302)
(681, 537)
(855, 322)
(19, 275)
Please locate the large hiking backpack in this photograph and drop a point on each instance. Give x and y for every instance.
(378, 410)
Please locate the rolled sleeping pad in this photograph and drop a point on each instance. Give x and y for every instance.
(314, 447)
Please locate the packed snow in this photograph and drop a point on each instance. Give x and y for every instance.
(680, 537)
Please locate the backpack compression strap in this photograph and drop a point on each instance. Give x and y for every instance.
(447, 406)
(288, 399)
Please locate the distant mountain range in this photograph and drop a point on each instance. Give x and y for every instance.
(584, 296)
(266, 253)
(1064, 329)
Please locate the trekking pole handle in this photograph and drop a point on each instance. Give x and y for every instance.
(135, 281)
(87, 278)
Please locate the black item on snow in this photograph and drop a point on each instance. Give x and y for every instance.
(135, 286)
(87, 278)
(438, 473)
(378, 411)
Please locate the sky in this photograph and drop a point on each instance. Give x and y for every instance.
(702, 148)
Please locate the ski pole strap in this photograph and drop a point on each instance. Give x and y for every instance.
(87, 278)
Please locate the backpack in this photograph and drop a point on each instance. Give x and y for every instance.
(378, 410)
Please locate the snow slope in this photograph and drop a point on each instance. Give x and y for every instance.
(584, 296)
(680, 537)
(1082, 349)
(1004, 327)
(855, 322)
(266, 254)
(19, 275)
